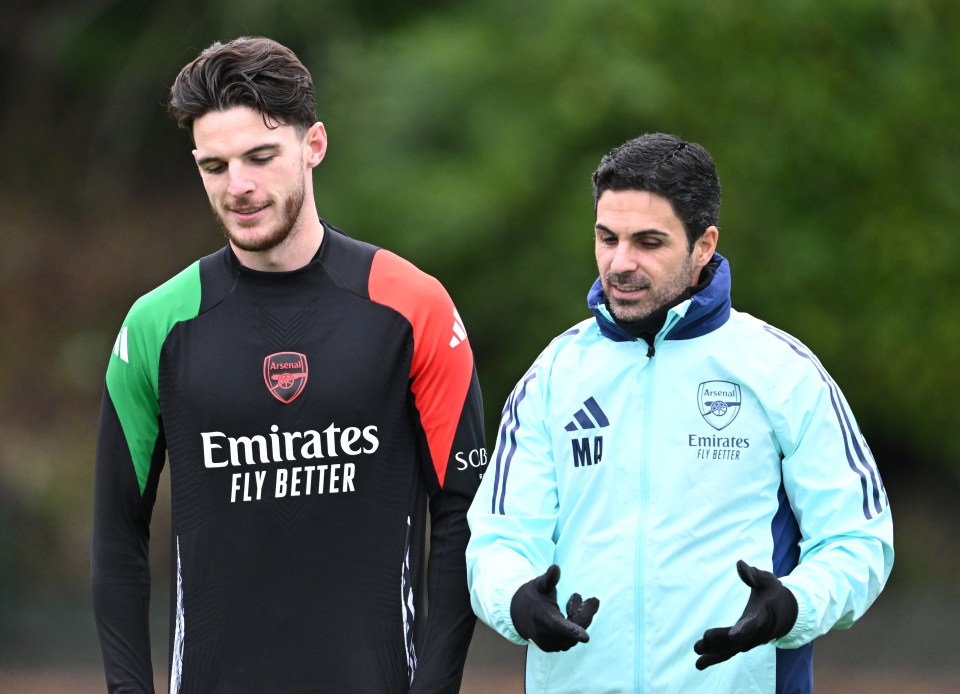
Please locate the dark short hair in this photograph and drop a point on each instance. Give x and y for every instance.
(249, 71)
(682, 172)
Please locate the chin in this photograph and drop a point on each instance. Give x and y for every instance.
(627, 314)
(255, 242)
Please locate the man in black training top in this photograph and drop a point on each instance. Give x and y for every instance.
(314, 395)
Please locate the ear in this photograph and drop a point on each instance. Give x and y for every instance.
(705, 246)
(316, 143)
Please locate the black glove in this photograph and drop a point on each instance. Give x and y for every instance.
(770, 613)
(537, 617)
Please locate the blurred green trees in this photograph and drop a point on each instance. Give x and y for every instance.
(463, 136)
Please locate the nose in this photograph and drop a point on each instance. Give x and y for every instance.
(239, 184)
(623, 259)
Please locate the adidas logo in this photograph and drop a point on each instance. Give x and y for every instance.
(587, 451)
(582, 417)
(459, 332)
(120, 346)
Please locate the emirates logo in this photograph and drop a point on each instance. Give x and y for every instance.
(285, 374)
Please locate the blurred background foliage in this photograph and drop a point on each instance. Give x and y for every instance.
(463, 136)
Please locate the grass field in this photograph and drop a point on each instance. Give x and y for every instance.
(902, 646)
(496, 667)
(481, 682)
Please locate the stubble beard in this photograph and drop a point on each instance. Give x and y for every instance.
(288, 213)
(656, 298)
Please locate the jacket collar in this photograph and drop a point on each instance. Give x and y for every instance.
(702, 313)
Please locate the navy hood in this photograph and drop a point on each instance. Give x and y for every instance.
(709, 308)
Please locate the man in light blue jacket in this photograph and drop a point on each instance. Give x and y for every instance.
(694, 470)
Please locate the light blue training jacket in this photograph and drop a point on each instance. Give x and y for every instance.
(645, 472)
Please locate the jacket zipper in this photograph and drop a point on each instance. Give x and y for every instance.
(646, 382)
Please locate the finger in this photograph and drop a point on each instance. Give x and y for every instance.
(585, 611)
(715, 640)
(705, 661)
(547, 582)
(574, 604)
(754, 577)
(714, 647)
(747, 573)
(566, 629)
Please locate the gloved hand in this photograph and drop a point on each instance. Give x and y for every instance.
(770, 613)
(537, 617)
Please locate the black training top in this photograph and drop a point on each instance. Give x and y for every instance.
(309, 418)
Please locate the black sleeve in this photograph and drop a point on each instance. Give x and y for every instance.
(120, 568)
(450, 619)
(449, 416)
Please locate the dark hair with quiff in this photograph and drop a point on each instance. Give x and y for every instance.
(682, 172)
(248, 71)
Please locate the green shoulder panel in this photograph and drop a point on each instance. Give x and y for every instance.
(135, 363)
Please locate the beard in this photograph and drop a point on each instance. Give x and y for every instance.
(288, 213)
(656, 297)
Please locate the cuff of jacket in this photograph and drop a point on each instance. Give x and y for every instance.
(799, 634)
(502, 622)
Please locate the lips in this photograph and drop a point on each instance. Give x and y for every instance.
(628, 289)
(627, 294)
(247, 211)
(247, 215)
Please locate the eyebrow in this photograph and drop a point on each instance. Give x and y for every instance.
(249, 153)
(632, 234)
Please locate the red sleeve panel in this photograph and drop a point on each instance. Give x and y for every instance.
(442, 367)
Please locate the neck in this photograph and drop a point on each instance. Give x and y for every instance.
(648, 327)
(295, 252)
